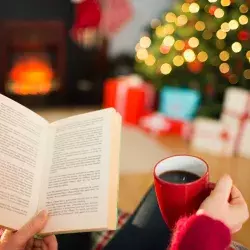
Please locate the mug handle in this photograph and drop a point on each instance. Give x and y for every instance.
(211, 186)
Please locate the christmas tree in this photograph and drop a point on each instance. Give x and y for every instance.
(202, 45)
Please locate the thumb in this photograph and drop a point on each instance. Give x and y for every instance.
(223, 188)
(33, 227)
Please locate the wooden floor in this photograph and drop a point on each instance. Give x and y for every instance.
(133, 187)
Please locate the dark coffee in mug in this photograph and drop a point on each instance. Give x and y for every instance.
(178, 176)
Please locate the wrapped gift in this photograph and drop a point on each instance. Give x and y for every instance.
(179, 103)
(243, 146)
(130, 96)
(235, 115)
(159, 124)
(212, 136)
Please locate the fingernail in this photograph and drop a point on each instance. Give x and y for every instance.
(43, 215)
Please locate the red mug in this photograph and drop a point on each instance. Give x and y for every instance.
(176, 200)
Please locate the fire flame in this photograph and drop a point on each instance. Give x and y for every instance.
(31, 76)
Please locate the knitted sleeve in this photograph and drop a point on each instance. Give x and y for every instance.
(200, 232)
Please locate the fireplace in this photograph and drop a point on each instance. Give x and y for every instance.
(32, 61)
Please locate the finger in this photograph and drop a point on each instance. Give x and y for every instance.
(50, 242)
(236, 197)
(236, 229)
(29, 245)
(239, 205)
(6, 235)
(38, 243)
(223, 188)
(45, 247)
(30, 229)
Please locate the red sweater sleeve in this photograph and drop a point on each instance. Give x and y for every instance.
(200, 233)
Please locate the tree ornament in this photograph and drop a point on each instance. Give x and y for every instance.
(195, 66)
(186, 45)
(243, 35)
(212, 9)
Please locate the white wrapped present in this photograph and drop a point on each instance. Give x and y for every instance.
(243, 141)
(235, 115)
(212, 136)
(236, 107)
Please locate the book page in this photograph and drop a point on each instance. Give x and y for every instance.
(22, 145)
(75, 188)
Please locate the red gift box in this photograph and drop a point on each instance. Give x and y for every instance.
(159, 124)
(130, 96)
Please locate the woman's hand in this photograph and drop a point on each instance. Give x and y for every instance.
(226, 204)
(24, 238)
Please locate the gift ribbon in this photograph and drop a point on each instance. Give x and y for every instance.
(224, 135)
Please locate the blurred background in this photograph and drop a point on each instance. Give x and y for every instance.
(62, 42)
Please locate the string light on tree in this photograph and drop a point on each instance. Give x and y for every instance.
(225, 3)
(178, 61)
(200, 26)
(243, 8)
(202, 56)
(170, 17)
(142, 54)
(150, 61)
(169, 29)
(236, 47)
(248, 55)
(247, 74)
(160, 31)
(224, 56)
(189, 55)
(224, 68)
(195, 38)
(185, 7)
(166, 68)
(225, 27)
(194, 8)
(179, 45)
(169, 41)
(221, 34)
(233, 25)
(243, 19)
(219, 13)
(181, 20)
(193, 42)
(145, 42)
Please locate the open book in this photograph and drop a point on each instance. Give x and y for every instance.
(70, 167)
